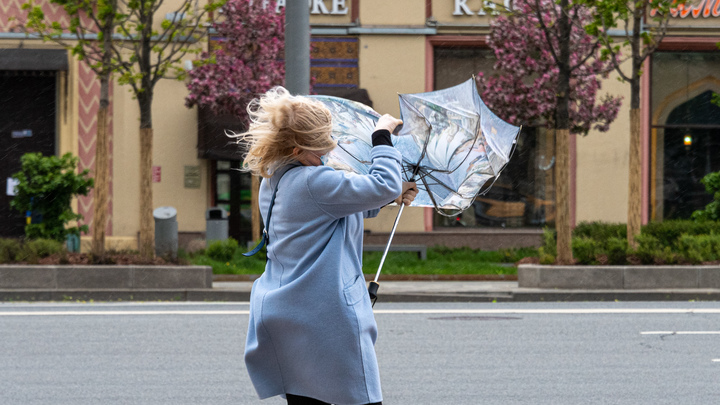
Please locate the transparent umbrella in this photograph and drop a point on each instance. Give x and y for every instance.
(452, 146)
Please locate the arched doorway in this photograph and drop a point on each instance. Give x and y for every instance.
(685, 132)
(692, 150)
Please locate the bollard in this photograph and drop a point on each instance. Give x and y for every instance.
(166, 232)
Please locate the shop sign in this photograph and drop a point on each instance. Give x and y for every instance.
(192, 176)
(12, 184)
(317, 7)
(23, 133)
(706, 8)
(461, 7)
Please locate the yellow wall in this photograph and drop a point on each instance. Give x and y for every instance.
(175, 146)
(602, 163)
(388, 66)
(396, 12)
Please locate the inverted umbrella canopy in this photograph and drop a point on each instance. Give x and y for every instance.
(451, 143)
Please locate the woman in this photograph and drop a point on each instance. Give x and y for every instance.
(312, 332)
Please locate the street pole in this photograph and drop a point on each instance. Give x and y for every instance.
(297, 46)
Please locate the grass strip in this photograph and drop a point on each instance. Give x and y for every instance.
(439, 261)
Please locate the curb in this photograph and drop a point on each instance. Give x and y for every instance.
(619, 277)
(228, 295)
(392, 277)
(76, 295)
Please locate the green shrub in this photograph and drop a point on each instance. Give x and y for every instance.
(35, 249)
(222, 250)
(549, 245)
(586, 250)
(9, 249)
(648, 248)
(545, 258)
(668, 232)
(600, 231)
(712, 210)
(699, 248)
(617, 250)
(46, 186)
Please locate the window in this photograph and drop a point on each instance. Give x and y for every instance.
(685, 132)
(524, 194)
(233, 193)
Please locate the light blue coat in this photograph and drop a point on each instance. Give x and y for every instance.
(312, 331)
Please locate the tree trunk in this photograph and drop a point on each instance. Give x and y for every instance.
(562, 140)
(562, 197)
(100, 191)
(102, 158)
(255, 207)
(635, 192)
(147, 226)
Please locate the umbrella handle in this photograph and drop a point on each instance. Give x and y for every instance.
(373, 287)
(372, 290)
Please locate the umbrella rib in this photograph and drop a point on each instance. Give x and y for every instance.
(430, 194)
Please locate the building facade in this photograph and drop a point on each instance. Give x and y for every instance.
(371, 50)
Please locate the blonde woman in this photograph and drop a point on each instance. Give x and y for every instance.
(312, 332)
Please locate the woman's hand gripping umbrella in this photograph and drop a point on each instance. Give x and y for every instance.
(452, 145)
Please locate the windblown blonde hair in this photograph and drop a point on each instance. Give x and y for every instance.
(279, 122)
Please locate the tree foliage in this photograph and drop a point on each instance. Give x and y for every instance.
(711, 212)
(246, 64)
(47, 185)
(523, 91)
(143, 49)
(623, 28)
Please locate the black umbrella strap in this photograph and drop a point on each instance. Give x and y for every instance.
(265, 241)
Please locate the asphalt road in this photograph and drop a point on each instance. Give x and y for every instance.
(191, 353)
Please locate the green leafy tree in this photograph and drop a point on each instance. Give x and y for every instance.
(47, 185)
(93, 23)
(556, 23)
(141, 52)
(628, 21)
(712, 211)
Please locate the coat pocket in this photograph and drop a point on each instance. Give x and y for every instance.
(355, 291)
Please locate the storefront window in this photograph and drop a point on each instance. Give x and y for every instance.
(524, 194)
(222, 185)
(233, 193)
(685, 132)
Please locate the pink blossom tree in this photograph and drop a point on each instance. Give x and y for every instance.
(246, 64)
(547, 74)
(523, 89)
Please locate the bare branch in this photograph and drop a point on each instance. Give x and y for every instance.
(546, 30)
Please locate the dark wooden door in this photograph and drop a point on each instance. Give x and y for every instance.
(27, 124)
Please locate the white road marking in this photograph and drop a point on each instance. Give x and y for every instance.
(555, 311)
(680, 332)
(716, 360)
(578, 311)
(110, 313)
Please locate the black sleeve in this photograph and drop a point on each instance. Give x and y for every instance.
(381, 137)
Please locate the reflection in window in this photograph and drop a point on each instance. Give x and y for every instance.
(685, 135)
(524, 194)
(233, 193)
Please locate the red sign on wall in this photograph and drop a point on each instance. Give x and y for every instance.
(156, 174)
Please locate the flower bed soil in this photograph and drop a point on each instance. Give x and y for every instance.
(110, 258)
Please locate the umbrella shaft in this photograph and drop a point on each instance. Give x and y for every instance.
(392, 233)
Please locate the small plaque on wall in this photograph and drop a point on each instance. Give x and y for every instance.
(192, 176)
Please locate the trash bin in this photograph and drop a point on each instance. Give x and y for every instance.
(217, 225)
(166, 232)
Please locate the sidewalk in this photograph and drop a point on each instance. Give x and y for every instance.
(390, 291)
(498, 291)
